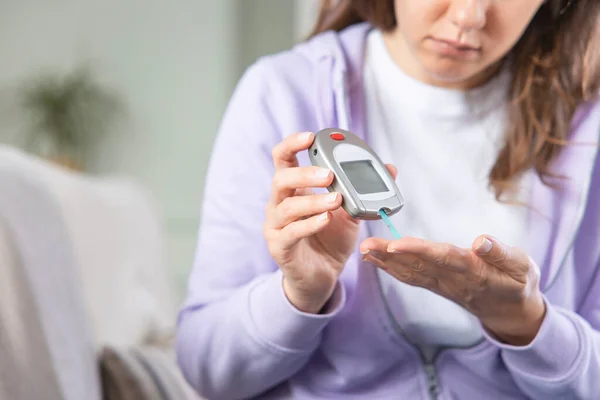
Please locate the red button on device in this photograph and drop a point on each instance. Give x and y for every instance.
(337, 136)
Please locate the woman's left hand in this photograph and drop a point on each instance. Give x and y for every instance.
(497, 283)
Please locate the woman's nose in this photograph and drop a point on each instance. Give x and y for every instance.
(469, 14)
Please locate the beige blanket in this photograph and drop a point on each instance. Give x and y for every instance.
(45, 341)
(26, 368)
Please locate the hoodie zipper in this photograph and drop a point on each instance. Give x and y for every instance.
(431, 375)
(432, 381)
(433, 385)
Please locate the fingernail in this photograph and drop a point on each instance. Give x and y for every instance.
(485, 246)
(322, 173)
(376, 254)
(323, 216)
(365, 252)
(393, 251)
(331, 198)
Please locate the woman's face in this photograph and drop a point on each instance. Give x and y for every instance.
(455, 43)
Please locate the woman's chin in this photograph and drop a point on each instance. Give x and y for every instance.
(456, 77)
(452, 73)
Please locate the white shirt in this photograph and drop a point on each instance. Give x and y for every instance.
(444, 143)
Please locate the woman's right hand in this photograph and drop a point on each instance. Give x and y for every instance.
(309, 235)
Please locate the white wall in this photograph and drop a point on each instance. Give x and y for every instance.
(264, 27)
(305, 14)
(173, 63)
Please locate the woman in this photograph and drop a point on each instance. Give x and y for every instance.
(487, 113)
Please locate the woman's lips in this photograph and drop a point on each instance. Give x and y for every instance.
(454, 49)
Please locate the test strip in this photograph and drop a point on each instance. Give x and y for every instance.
(389, 224)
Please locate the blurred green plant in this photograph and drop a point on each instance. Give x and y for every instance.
(67, 116)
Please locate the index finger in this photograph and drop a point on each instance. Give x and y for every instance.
(444, 254)
(374, 244)
(284, 153)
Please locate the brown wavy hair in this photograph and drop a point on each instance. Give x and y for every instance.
(556, 68)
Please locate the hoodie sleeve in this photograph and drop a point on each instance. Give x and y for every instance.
(563, 361)
(238, 336)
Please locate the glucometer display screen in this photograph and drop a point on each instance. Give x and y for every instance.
(363, 176)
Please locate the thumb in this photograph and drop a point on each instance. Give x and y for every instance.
(393, 170)
(500, 255)
(492, 251)
(512, 260)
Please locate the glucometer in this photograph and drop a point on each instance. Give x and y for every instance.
(367, 187)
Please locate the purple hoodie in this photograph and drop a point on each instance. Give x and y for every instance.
(239, 337)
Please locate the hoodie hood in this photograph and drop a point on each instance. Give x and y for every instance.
(339, 59)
